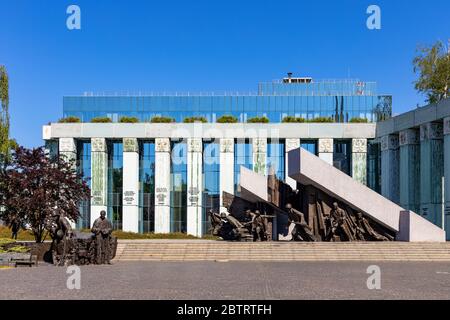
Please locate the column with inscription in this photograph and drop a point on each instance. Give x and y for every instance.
(410, 169)
(359, 160)
(99, 178)
(447, 176)
(431, 172)
(68, 152)
(390, 167)
(162, 185)
(259, 147)
(130, 194)
(194, 188)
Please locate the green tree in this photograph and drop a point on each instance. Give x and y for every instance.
(433, 65)
(4, 115)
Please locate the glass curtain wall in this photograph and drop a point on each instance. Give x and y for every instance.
(243, 156)
(211, 181)
(178, 196)
(374, 166)
(84, 168)
(309, 145)
(342, 157)
(146, 186)
(276, 158)
(115, 185)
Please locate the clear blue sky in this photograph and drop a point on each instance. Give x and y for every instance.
(204, 45)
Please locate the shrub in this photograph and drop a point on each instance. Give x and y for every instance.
(291, 119)
(227, 119)
(195, 119)
(358, 120)
(322, 120)
(70, 119)
(162, 120)
(258, 120)
(128, 120)
(101, 120)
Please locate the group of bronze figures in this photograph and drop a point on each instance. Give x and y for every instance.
(339, 225)
(306, 214)
(252, 227)
(81, 248)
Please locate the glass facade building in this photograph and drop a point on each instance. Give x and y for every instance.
(115, 183)
(178, 196)
(210, 181)
(84, 168)
(341, 100)
(243, 156)
(146, 186)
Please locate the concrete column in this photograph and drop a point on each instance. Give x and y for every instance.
(259, 149)
(99, 177)
(431, 171)
(447, 176)
(226, 175)
(194, 187)
(130, 194)
(291, 144)
(326, 149)
(68, 151)
(162, 185)
(359, 160)
(409, 170)
(390, 168)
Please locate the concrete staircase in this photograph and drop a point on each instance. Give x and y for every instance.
(203, 250)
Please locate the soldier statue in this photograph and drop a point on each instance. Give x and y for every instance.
(302, 231)
(102, 230)
(340, 224)
(259, 227)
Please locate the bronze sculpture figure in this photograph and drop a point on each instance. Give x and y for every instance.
(102, 229)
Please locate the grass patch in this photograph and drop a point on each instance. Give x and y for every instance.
(121, 235)
(23, 235)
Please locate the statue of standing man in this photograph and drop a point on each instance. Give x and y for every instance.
(102, 229)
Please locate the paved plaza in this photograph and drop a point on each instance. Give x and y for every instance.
(230, 280)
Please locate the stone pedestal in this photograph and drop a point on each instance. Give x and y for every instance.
(410, 170)
(194, 187)
(447, 176)
(291, 144)
(431, 172)
(390, 156)
(326, 149)
(259, 147)
(359, 160)
(226, 169)
(99, 177)
(162, 185)
(130, 192)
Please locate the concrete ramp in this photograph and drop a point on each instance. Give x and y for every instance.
(308, 169)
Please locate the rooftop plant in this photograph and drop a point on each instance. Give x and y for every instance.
(162, 120)
(358, 120)
(227, 119)
(101, 120)
(195, 119)
(258, 120)
(321, 120)
(70, 119)
(128, 120)
(291, 119)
